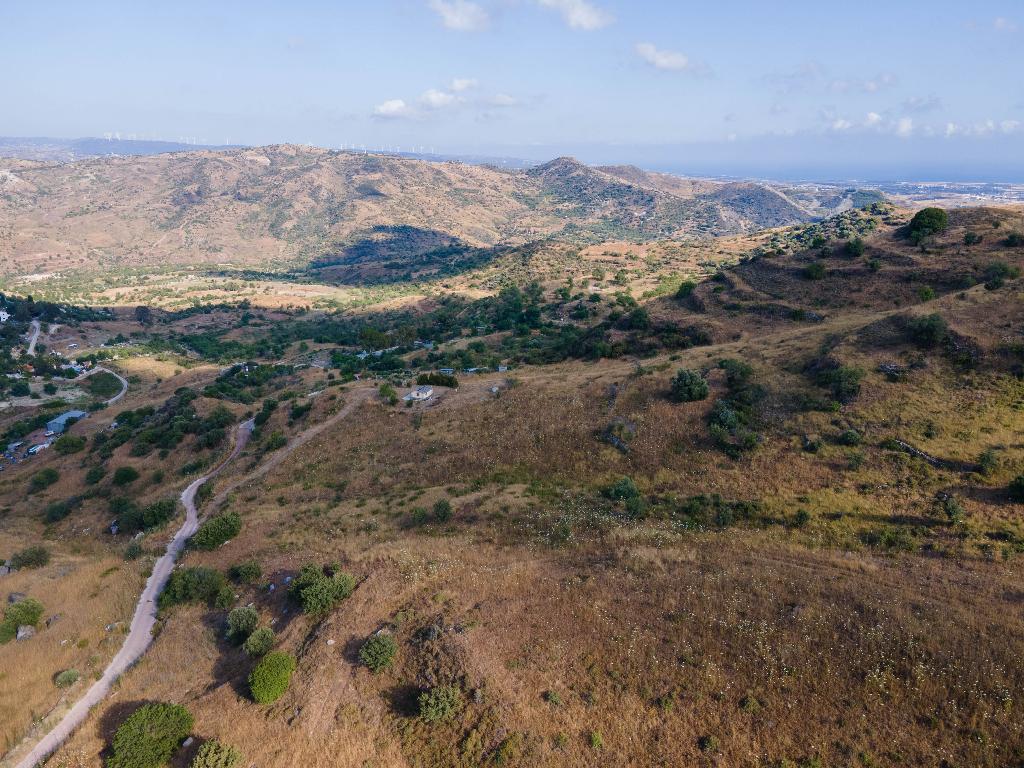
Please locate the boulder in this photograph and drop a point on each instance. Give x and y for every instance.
(25, 631)
(16, 597)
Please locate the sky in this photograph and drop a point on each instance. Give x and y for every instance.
(797, 89)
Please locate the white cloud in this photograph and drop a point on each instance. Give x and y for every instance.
(460, 84)
(922, 103)
(392, 109)
(872, 85)
(841, 125)
(1003, 24)
(873, 119)
(1010, 126)
(435, 99)
(579, 14)
(661, 59)
(460, 15)
(904, 127)
(503, 100)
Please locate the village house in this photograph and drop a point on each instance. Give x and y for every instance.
(419, 394)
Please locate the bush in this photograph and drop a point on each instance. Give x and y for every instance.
(275, 440)
(248, 572)
(622, 490)
(1016, 489)
(149, 737)
(269, 678)
(67, 678)
(855, 247)
(195, 585)
(685, 289)
(997, 273)
(68, 444)
(26, 613)
(242, 622)
(214, 754)
(928, 331)
(688, 387)
(440, 703)
(972, 238)
(43, 479)
(378, 653)
(31, 557)
(131, 518)
(926, 222)
(94, 475)
(1014, 240)
(125, 476)
(442, 510)
(217, 530)
(437, 380)
(849, 437)
(843, 382)
(814, 271)
(259, 642)
(319, 592)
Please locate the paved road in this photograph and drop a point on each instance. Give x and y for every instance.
(36, 328)
(140, 634)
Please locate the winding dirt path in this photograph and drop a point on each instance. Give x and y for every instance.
(140, 634)
(36, 328)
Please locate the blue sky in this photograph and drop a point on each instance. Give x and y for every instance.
(872, 89)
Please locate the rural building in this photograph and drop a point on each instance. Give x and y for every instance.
(420, 393)
(4, 315)
(59, 424)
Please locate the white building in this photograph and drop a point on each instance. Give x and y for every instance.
(4, 315)
(420, 394)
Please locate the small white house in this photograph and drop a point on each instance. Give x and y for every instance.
(419, 394)
(4, 315)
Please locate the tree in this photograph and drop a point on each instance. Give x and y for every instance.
(442, 510)
(214, 754)
(144, 315)
(260, 642)
(31, 557)
(43, 479)
(928, 331)
(242, 622)
(814, 271)
(125, 475)
(217, 530)
(149, 736)
(68, 444)
(270, 677)
(319, 592)
(688, 386)
(378, 653)
(927, 222)
(855, 247)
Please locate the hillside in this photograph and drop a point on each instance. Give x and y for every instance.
(292, 206)
(752, 501)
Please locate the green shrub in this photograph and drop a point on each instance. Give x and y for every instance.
(997, 273)
(1014, 240)
(125, 476)
(194, 585)
(247, 572)
(318, 592)
(275, 440)
(814, 271)
(43, 479)
(31, 557)
(843, 382)
(68, 444)
(1016, 489)
(94, 475)
(855, 247)
(988, 462)
(685, 289)
(259, 642)
(849, 437)
(596, 740)
(926, 222)
(688, 387)
(378, 653)
(928, 331)
(150, 736)
(131, 518)
(707, 744)
(972, 238)
(442, 510)
(25, 613)
(925, 293)
(242, 622)
(269, 678)
(217, 530)
(622, 490)
(67, 678)
(133, 551)
(214, 754)
(440, 703)
(437, 380)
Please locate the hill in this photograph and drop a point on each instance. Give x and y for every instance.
(295, 206)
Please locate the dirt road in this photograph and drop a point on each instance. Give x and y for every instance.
(36, 328)
(140, 633)
(119, 377)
